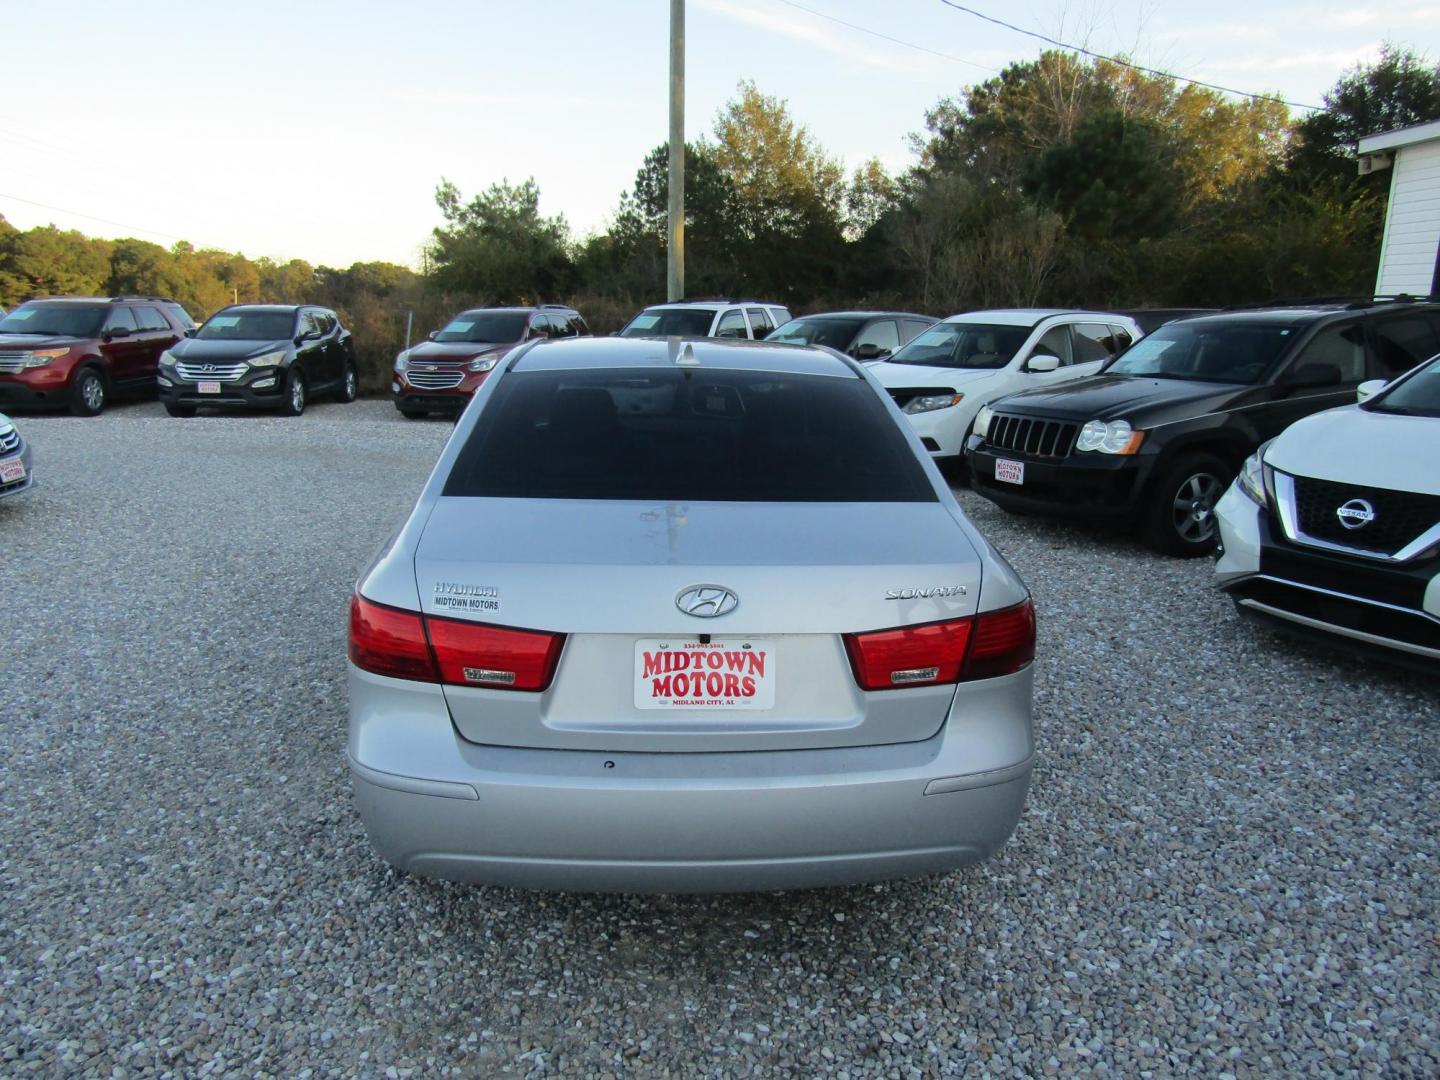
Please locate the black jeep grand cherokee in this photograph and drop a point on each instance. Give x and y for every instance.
(1157, 435)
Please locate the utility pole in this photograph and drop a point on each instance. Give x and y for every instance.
(675, 254)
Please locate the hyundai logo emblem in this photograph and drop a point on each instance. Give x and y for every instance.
(207, 367)
(1355, 514)
(707, 601)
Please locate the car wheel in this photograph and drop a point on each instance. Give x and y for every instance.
(294, 403)
(413, 414)
(87, 396)
(180, 410)
(350, 385)
(1181, 519)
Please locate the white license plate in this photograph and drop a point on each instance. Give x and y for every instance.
(1009, 472)
(10, 471)
(209, 388)
(676, 673)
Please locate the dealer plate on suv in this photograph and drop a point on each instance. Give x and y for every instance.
(673, 673)
(1009, 472)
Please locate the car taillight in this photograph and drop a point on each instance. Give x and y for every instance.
(978, 647)
(1003, 642)
(389, 641)
(406, 645)
(493, 656)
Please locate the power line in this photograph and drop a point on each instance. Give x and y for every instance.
(887, 37)
(92, 217)
(1126, 63)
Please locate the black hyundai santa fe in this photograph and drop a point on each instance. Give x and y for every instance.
(260, 356)
(1154, 439)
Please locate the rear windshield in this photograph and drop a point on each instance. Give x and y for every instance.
(1205, 351)
(485, 326)
(687, 436)
(669, 322)
(836, 333)
(963, 345)
(248, 326)
(55, 320)
(1419, 395)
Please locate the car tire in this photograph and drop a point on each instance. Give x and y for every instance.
(413, 414)
(87, 396)
(180, 410)
(349, 384)
(294, 400)
(1181, 517)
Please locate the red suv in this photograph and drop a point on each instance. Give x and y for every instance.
(75, 352)
(439, 375)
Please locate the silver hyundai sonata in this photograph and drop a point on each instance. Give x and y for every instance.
(692, 616)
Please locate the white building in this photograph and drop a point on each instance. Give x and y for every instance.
(1410, 252)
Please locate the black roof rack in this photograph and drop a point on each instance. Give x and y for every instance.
(150, 299)
(553, 307)
(1350, 303)
(716, 300)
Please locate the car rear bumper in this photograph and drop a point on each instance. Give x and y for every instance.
(686, 822)
(26, 483)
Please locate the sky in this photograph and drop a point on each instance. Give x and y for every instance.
(319, 130)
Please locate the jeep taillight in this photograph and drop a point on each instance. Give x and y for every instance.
(977, 647)
(406, 645)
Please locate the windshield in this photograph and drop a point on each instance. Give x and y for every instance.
(1205, 351)
(55, 320)
(669, 322)
(964, 345)
(681, 436)
(489, 327)
(248, 326)
(1419, 395)
(836, 333)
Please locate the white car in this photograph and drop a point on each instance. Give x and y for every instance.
(1334, 526)
(942, 378)
(708, 318)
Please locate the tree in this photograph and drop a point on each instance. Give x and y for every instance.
(498, 247)
(1398, 90)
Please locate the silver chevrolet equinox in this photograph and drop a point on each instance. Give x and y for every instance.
(687, 616)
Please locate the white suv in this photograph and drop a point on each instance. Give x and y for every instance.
(1334, 526)
(708, 318)
(942, 378)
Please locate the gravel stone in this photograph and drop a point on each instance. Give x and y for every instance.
(1227, 866)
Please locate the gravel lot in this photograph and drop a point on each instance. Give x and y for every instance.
(1228, 863)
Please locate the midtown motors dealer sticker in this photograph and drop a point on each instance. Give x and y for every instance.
(732, 674)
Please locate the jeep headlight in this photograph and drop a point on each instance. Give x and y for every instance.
(982, 421)
(41, 357)
(270, 359)
(931, 402)
(1115, 437)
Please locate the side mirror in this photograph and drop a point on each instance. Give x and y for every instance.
(433, 334)
(118, 331)
(868, 351)
(1369, 388)
(190, 331)
(1042, 362)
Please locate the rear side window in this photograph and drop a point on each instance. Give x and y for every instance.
(1403, 343)
(760, 323)
(687, 436)
(180, 315)
(150, 318)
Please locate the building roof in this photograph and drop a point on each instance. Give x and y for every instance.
(1406, 136)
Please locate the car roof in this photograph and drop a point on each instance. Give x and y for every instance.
(864, 315)
(276, 308)
(522, 309)
(714, 354)
(1024, 316)
(712, 305)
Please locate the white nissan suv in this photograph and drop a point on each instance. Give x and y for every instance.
(1334, 526)
(730, 318)
(942, 378)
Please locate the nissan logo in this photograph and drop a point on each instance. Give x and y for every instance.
(1355, 514)
(707, 601)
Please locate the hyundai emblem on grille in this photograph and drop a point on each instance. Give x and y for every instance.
(707, 601)
(1355, 514)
